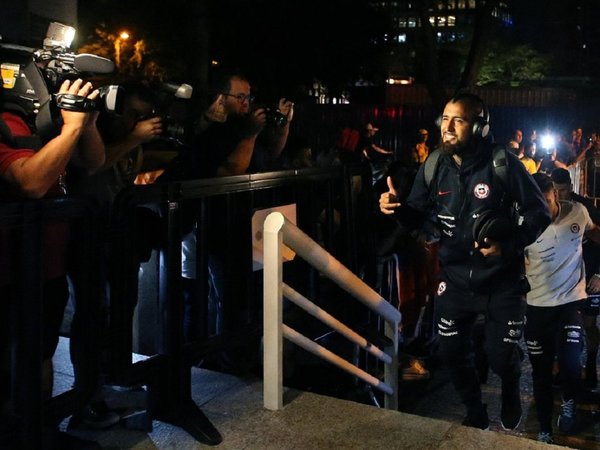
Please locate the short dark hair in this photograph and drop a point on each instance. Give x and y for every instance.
(472, 101)
(543, 181)
(561, 176)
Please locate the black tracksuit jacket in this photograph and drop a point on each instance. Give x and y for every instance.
(453, 201)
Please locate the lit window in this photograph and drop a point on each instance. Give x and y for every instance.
(440, 4)
(451, 4)
(441, 21)
(472, 4)
(412, 22)
(401, 38)
(401, 22)
(451, 21)
(462, 4)
(432, 20)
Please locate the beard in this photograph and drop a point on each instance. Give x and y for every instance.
(451, 149)
(458, 148)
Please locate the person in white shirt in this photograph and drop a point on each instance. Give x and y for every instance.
(555, 270)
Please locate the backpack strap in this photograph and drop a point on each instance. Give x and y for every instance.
(430, 167)
(32, 142)
(500, 164)
(499, 161)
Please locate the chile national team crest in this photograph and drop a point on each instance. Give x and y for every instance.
(481, 191)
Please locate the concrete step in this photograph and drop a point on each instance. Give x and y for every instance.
(307, 421)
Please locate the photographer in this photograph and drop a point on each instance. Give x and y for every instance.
(124, 135)
(242, 139)
(556, 153)
(230, 138)
(38, 171)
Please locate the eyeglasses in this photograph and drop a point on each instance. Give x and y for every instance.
(241, 97)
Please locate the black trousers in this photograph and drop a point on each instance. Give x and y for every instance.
(554, 332)
(456, 313)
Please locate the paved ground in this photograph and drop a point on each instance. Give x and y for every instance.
(310, 420)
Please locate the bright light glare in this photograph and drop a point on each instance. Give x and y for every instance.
(124, 35)
(69, 36)
(548, 141)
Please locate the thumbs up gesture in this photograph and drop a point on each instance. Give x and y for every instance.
(389, 200)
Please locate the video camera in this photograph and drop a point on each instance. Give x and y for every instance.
(31, 77)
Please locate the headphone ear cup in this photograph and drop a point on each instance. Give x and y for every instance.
(438, 122)
(481, 127)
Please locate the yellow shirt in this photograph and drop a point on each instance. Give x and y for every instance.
(529, 164)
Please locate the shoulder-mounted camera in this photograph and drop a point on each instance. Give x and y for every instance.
(31, 77)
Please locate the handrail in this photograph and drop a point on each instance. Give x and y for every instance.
(277, 231)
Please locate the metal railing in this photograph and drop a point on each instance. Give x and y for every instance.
(586, 178)
(326, 194)
(278, 231)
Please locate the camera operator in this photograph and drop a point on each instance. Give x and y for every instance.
(124, 135)
(39, 173)
(555, 155)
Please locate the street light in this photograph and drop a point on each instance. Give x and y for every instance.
(123, 36)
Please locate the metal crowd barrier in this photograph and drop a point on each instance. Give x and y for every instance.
(586, 178)
(278, 231)
(316, 192)
(326, 193)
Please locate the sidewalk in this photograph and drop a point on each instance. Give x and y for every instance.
(308, 421)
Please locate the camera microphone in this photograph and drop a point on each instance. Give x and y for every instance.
(178, 90)
(86, 62)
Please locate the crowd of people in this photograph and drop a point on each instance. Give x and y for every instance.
(510, 246)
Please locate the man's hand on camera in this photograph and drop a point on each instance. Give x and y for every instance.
(388, 201)
(286, 108)
(257, 121)
(72, 118)
(492, 248)
(147, 130)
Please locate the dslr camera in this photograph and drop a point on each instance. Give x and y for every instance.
(173, 112)
(31, 77)
(274, 117)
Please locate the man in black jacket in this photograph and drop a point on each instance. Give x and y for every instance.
(486, 208)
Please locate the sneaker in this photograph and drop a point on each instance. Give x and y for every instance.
(566, 418)
(95, 415)
(415, 371)
(478, 418)
(545, 437)
(511, 413)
